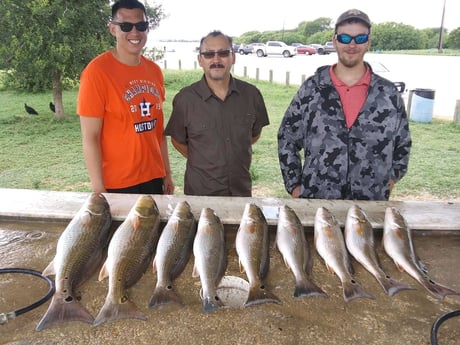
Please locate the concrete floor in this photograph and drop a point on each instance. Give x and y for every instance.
(403, 319)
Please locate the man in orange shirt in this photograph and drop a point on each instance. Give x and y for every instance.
(120, 104)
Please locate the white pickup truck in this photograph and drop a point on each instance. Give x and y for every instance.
(275, 48)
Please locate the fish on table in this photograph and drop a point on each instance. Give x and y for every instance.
(129, 254)
(209, 250)
(360, 242)
(173, 253)
(398, 244)
(80, 251)
(330, 245)
(294, 248)
(252, 247)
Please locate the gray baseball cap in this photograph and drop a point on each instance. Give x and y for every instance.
(353, 14)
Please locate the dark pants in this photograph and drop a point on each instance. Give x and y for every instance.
(150, 187)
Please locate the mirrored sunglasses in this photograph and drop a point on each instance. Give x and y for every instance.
(127, 27)
(346, 39)
(219, 53)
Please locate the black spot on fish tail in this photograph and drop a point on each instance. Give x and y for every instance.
(308, 289)
(164, 295)
(212, 304)
(353, 289)
(437, 290)
(392, 286)
(260, 295)
(63, 310)
(112, 311)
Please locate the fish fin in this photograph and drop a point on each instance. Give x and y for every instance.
(437, 290)
(136, 222)
(211, 304)
(164, 295)
(330, 269)
(113, 311)
(103, 273)
(242, 270)
(308, 289)
(85, 218)
(392, 286)
(259, 294)
(49, 270)
(195, 273)
(63, 310)
(399, 267)
(352, 289)
(154, 266)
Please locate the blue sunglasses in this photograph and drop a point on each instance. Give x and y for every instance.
(346, 39)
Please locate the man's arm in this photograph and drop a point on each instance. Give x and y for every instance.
(182, 148)
(168, 184)
(91, 138)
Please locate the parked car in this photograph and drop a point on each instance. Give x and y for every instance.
(275, 48)
(296, 44)
(380, 69)
(249, 48)
(326, 48)
(246, 49)
(306, 49)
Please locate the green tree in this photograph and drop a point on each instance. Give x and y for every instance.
(397, 36)
(45, 43)
(453, 40)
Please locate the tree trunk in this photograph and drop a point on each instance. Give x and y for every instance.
(57, 95)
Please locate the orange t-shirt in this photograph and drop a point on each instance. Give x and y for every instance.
(129, 99)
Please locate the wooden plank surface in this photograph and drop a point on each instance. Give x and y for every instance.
(38, 204)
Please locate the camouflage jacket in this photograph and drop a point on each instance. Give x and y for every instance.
(339, 162)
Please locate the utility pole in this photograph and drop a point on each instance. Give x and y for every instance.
(441, 31)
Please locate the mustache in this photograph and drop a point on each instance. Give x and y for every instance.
(216, 65)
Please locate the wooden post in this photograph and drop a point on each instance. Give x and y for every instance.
(457, 111)
(180, 65)
(166, 64)
(257, 73)
(287, 77)
(270, 76)
(245, 73)
(302, 79)
(194, 64)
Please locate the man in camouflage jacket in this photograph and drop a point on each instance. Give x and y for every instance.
(339, 162)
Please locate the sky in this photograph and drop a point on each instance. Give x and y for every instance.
(190, 20)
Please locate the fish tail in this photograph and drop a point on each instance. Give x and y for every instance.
(211, 304)
(437, 290)
(260, 295)
(353, 289)
(393, 286)
(62, 310)
(114, 311)
(308, 289)
(164, 295)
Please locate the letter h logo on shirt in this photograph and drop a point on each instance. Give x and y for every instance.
(145, 108)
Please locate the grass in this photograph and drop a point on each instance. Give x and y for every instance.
(41, 152)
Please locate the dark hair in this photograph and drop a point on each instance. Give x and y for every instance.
(216, 33)
(129, 4)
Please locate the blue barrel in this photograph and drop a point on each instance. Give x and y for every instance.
(421, 104)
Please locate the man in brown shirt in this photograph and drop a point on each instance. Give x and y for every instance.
(214, 123)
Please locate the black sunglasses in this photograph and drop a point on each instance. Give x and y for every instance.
(127, 27)
(346, 39)
(220, 53)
